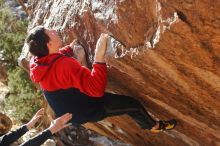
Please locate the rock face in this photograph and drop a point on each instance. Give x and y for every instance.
(170, 61)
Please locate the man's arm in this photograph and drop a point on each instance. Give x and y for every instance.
(12, 136)
(38, 139)
(92, 82)
(55, 126)
(67, 51)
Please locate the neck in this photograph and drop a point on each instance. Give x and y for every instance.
(53, 50)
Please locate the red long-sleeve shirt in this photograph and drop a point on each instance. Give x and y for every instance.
(57, 71)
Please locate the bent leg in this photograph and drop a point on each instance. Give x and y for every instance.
(119, 104)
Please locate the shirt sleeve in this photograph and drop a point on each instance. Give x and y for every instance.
(38, 139)
(67, 51)
(12, 136)
(90, 82)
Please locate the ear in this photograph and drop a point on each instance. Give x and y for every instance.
(49, 45)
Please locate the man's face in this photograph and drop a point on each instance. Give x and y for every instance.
(55, 43)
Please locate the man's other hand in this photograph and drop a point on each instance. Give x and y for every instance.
(60, 123)
(100, 50)
(35, 118)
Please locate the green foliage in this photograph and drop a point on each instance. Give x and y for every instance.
(1, 3)
(24, 99)
(13, 32)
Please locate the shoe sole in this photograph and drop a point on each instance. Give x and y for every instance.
(174, 123)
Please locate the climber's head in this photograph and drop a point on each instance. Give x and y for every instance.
(5, 124)
(42, 41)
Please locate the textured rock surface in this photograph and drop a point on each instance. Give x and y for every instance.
(170, 61)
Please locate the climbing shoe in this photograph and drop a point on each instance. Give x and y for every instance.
(165, 125)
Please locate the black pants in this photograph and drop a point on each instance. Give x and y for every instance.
(119, 104)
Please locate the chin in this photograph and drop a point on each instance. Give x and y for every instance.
(60, 46)
(61, 43)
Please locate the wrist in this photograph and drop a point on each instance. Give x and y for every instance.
(96, 59)
(99, 63)
(29, 126)
(52, 129)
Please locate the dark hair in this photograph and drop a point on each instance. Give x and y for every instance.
(6, 123)
(37, 41)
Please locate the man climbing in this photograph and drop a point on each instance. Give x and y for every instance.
(70, 87)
